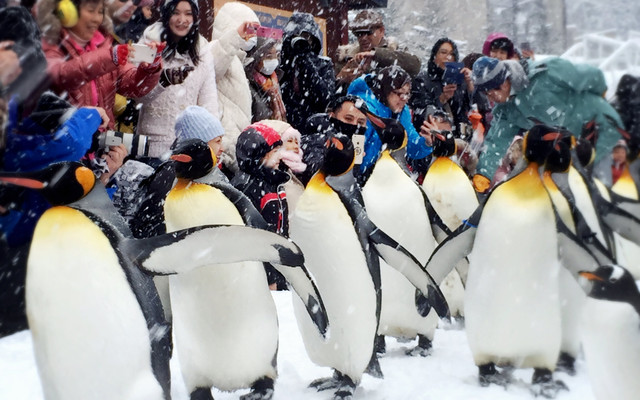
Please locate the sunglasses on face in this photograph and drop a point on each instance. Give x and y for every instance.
(363, 33)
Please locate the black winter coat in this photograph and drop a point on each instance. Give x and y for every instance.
(308, 82)
(427, 88)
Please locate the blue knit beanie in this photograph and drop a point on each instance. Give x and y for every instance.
(196, 122)
(488, 73)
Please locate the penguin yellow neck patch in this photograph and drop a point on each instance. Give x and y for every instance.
(86, 179)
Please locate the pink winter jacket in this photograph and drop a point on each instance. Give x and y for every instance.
(90, 77)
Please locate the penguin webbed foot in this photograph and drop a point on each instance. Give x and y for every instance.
(346, 389)
(423, 349)
(321, 384)
(201, 394)
(543, 384)
(380, 345)
(566, 363)
(488, 374)
(262, 389)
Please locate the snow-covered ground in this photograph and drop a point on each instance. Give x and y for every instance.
(447, 374)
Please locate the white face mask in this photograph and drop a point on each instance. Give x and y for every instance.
(268, 66)
(250, 43)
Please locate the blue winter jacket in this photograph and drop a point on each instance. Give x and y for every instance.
(34, 149)
(416, 146)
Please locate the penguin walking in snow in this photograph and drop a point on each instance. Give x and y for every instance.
(224, 318)
(397, 205)
(323, 226)
(515, 249)
(97, 322)
(454, 199)
(611, 333)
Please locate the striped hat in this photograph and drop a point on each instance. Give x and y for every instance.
(196, 122)
(489, 73)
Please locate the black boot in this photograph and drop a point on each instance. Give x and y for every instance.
(542, 384)
(201, 394)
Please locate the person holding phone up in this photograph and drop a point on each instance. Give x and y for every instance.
(187, 79)
(449, 89)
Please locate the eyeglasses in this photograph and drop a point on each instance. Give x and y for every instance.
(403, 95)
(363, 33)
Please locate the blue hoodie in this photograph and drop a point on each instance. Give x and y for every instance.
(416, 146)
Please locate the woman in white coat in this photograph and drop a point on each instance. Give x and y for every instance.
(234, 33)
(188, 77)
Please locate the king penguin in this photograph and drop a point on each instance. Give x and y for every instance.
(323, 226)
(397, 205)
(224, 318)
(453, 198)
(97, 322)
(611, 333)
(515, 250)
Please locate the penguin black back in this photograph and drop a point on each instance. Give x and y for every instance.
(340, 155)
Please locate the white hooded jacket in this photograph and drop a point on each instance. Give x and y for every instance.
(233, 87)
(161, 106)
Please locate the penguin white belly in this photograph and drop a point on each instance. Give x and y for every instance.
(90, 337)
(324, 231)
(584, 203)
(394, 203)
(453, 198)
(450, 192)
(611, 343)
(511, 303)
(224, 318)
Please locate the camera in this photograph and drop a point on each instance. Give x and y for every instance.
(136, 144)
(300, 44)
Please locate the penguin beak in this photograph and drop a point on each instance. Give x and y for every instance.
(183, 158)
(590, 276)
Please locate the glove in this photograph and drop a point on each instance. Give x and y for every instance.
(120, 54)
(175, 76)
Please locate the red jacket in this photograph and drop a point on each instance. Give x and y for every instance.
(89, 75)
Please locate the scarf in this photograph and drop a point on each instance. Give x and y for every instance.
(271, 87)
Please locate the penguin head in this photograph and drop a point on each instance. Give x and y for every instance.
(539, 142)
(559, 159)
(613, 283)
(60, 183)
(339, 156)
(390, 131)
(444, 144)
(193, 159)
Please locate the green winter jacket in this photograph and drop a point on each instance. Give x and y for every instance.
(559, 93)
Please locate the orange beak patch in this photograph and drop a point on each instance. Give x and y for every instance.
(590, 276)
(183, 158)
(24, 182)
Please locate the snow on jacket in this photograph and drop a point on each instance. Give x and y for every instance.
(416, 146)
(427, 88)
(161, 106)
(308, 82)
(234, 94)
(90, 77)
(559, 93)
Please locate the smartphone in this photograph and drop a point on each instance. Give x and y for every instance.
(142, 53)
(452, 74)
(525, 46)
(358, 148)
(271, 33)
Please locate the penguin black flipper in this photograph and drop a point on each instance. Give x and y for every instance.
(438, 228)
(305, 287)
(573, 254)
(621, 222)
(191, 248)
(629, 205)
(454, 248)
